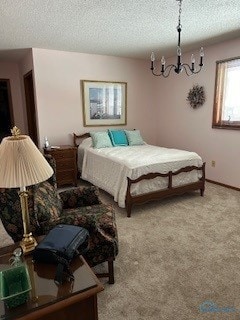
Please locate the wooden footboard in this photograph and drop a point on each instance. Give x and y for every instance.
(161, 194)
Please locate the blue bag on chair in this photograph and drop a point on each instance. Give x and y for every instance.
(59, 246)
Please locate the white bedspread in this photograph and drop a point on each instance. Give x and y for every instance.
(108, 168)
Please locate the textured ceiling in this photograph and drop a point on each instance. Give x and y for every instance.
(127, 28)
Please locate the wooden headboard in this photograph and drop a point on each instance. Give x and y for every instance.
(77, 138)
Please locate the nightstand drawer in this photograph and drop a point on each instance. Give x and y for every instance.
(64, 154)
(66, 164)
(65, 177)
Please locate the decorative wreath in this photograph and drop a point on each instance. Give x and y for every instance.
(196, 96)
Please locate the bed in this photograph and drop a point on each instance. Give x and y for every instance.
(135, 175)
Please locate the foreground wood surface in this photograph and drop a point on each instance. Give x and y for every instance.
(71, 300)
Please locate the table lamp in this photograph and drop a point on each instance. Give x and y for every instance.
(22, 165)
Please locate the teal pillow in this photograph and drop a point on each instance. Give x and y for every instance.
(100, 139)
(118, 137)
(134, 137)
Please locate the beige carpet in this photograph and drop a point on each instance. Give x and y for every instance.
(175, 255)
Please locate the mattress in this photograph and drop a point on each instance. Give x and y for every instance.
(108, 168)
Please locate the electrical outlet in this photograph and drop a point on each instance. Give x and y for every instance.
(213, 163)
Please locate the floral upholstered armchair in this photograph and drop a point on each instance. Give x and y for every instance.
(77, 206)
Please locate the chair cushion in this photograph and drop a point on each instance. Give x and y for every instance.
(80, 197)
(47, 203)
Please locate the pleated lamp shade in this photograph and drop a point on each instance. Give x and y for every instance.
(21, 163)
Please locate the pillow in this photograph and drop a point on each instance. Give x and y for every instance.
(134, 137)
(100, 139)
(118, 137)
(86, 143)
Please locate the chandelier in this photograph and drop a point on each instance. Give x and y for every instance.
(179, 67)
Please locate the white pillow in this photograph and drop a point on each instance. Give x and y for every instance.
(86, 143)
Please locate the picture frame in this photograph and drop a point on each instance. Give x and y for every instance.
(104, 103)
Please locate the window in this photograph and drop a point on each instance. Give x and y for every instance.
(226, 108)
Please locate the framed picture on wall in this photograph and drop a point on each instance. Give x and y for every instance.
(104, 103)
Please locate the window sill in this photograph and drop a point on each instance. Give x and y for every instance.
(226, 126)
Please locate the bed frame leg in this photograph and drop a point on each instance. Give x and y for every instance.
(129, 210)
(202, 192)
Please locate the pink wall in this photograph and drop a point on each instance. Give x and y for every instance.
(59, 98)
(10, 70)
(180, 126)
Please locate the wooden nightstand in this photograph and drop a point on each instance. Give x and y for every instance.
(66, 162)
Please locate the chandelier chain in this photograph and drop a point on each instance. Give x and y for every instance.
(179, 15)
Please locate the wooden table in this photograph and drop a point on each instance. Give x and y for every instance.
(69, 301)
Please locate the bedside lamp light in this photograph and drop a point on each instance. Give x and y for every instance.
(22, 165)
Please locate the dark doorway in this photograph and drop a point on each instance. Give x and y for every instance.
(30, 107)
(6, 110)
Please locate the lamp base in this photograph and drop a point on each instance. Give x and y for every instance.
(28, 243)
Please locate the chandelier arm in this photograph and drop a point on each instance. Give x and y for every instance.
(170, 66)
(156, 74)
(195, 72)
(188, 68)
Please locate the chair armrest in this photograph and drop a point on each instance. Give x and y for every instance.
(105, 218)
(80, 197)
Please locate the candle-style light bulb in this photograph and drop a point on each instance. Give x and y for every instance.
(193, 62)
(163, 64)
(152, 61)
(152, 56)
(201, 57)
